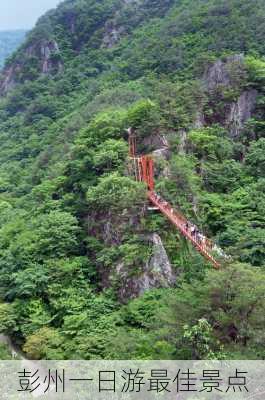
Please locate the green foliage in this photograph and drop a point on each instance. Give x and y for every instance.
(4, 352)
(46, 343)
(144, 117)
(57, 234)
(105, 125)
(256, 70)
(116, 192)
(223, 177)
(195, 320)
(7, 318)
(30, 282)
(200, 337)
(110, 155)
(183, 184)
(208, 143)
(255, 159)
(73, 221)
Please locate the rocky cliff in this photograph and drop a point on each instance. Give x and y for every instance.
(44, 55)
(224, 81)
(156, 273)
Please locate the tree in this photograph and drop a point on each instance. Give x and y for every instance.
(30, 282)
(46, 343)
(8, 318)
(223, 176)
(201, 339)
(144, 117)
(255, 159)
(56, 235)
(105, 125)
(237, 300)
(110, 155)
(32, 315)
(210, 143)
(116, 192)
(256, 70)
(242, 222)
(182, 186)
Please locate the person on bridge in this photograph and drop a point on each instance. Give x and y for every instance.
(200, 237)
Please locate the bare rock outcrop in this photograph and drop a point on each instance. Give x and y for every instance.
(49, 52)
(161, 154)
(112, 34)
(229, 73)
(8, 78)
(223, 72)
(199, 120)
(183, 141)
(46, 52)
(161, 157)
(241, 111)
(113, 30)
(157, 273)
(155, 142)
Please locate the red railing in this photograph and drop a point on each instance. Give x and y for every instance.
(183, 226)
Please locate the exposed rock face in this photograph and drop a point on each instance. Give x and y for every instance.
(48, 63)
(216, 75)
(162, 153)
(48, 54)
(157, 273)
(221, 72)
(113, 30)
(47, 51)
(241, 111)
(155, 142)
(111, 227)
(161, 156)
(7, 80)
(112, 34)
(183, 141)
(229, 74)
(199, 120)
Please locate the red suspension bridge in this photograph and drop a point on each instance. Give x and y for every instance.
(143, 167)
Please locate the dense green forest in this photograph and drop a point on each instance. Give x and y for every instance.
(86, 270)
(9, 42)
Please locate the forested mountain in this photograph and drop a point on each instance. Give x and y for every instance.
(9, 42)
(86, 270)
